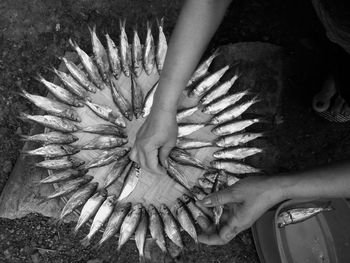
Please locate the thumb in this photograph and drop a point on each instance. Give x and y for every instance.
(230, 229)
(164, 153)
(218, 198)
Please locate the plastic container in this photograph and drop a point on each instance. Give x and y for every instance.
(322, 238)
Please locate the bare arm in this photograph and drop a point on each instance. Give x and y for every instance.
(197, 23)
(252, 196)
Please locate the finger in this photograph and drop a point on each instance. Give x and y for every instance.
(164, 153)
(206, 226)
(133, 155)
(151, 162)
(211, 240)
(230, 229)
(218, 198)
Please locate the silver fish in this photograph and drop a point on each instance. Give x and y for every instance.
(116, 171)
(237, 139)
(69, 187)
(113, 56)
(90, 208)
(141, 234)
(198, 192)
(232, 113)
(185, 129)
(184, 113)
(185, 219)
(122, 103)
(62, 176)
(101, 217)
(130, 181)
(233, 127)
(79, 75)
(148, 102)
(184, 143)
(115, 221)
(218, 91)
(205, 184)
(234, 167)
(170, 226)
(105, 129)
(237, 153)
(162, 45)
(104, 142)
(100, 54)
(223, 102)
(89, 66)
(207, 83)
(213, 176)
(149, 51)
(136, 54)
(231, 179)
(175, 173)
(107, 113)
(53, 150)
(137, 97)
(297, 215)
(202, 69)
(183, 157)
(219, 184)
(61, 93)
(51, 138)
(107, 157)
(52, 122)
(196, 212)
(61, 164)
(156, 228)
(52, 106)
(125, 53)
(129, 225)
(72, 85)
(79, 198)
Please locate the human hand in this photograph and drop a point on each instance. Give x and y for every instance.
(155, 139)
(248, 199)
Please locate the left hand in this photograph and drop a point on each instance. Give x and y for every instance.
(249, 198)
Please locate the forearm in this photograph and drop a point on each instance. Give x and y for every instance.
(196, 25)
(324, 182)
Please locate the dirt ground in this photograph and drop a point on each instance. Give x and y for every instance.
(34, 32)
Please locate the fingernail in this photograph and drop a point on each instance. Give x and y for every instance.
(206, 201)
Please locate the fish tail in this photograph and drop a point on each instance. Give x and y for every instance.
(97, 246)
(73, 43)
(42, 200)
(148, 25)
(122, 23)
(328, 206)
(85, 241)
(24, 152)
(142, 259)
(160, 22)
(23, 116)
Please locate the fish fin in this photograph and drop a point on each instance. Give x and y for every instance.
(85, 241)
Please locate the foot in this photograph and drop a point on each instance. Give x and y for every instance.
(330, 104)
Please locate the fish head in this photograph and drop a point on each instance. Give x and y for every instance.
(137, 207)
(111, 200)
(185, 198)
(178, 204)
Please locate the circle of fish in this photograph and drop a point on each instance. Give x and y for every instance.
(92, 116)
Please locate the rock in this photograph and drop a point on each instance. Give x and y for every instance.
(7, 167)
(35, 257)
(7, 254)
(96, 260)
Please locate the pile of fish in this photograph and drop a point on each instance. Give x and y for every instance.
(71, 174)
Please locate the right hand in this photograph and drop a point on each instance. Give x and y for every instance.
(155, 139)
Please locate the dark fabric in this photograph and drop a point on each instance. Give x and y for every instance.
(335, 17)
